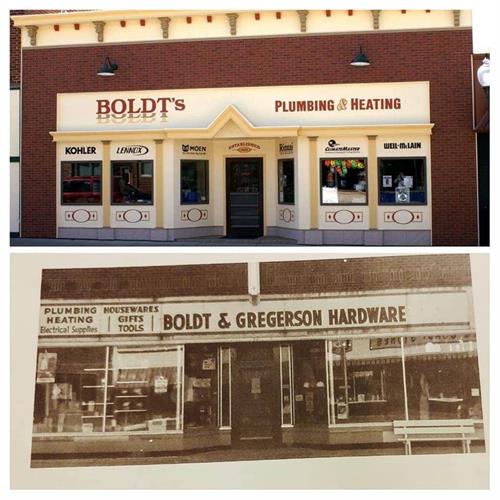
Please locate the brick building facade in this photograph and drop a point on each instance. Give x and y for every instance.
(397, 56)
(323, 353)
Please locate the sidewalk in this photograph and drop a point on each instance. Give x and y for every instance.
(183, 242)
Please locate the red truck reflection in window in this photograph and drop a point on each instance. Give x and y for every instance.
(81, 190)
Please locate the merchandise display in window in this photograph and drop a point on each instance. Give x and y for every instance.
(200, 396)
(310, 383)
(402, 180)
(194, 181)
(131, 389)
(343, 181)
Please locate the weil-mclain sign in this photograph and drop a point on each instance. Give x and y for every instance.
(359, 313)
(299, 105)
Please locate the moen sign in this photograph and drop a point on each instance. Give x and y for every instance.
(355, 313)
(298, 105)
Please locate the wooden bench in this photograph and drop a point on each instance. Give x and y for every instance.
(434, 430)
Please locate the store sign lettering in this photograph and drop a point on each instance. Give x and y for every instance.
(402, 145)
(80, 150)
(135, 150)
(342, 104)
(243, 147)
(333, 315)
(193, 149)
(335, 147)
(286, 148)
(286, 319)
(138, 106)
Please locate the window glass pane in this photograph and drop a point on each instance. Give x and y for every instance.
(225, 354)
(194, 181)
(130, 185)
(286, 181)
(309, 383)
(368, 381)
(442, 377)
(286, 385)
(146, 389)
(402, 180)
(69, 390)
(344, 181)
(81, 183)
(200, 394)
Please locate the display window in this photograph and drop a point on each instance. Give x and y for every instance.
(200, 393)
(365, 386)
(396, 378)
(443, 381)
(81, 183)
(194, 182)
(286, 182)
(132, 182)
(343, 181)
(402, 181)
(310, 382)
(109, 389)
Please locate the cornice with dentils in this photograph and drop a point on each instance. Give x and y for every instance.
(112, 15)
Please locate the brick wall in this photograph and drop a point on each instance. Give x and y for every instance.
(356, 274)
(313, 276)
(158, 281)
(442, 57)
(15, 51)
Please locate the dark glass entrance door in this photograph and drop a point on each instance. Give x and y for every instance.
(256, 400)
(244, 197)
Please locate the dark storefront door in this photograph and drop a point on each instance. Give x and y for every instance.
(256, 396)
(244, 197)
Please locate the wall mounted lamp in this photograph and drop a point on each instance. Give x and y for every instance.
(483, 76)
(360, 59)
(108, 68)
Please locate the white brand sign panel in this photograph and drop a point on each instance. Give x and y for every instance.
(273, 315)
(307, 105)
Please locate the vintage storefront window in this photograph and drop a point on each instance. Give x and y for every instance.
(286, 182)
(81, 183)
(310, 382)
(366, 385)
(402, 180)
(109, 389)
(442, 378)
(200, 394)
(343, 181)
(194, 181)
(132, 182)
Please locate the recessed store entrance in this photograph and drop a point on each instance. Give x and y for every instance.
(256, 396)
(244, 193)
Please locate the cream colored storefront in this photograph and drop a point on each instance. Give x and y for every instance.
(312, 127)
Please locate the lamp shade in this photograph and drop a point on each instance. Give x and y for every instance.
(360, 59)
(483, 73)
(108, 68)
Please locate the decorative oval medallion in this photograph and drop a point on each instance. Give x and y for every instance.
(403, 217)
(194, 215)
(287, 215)
(81, 215)
(343, 216)
(132, 215)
